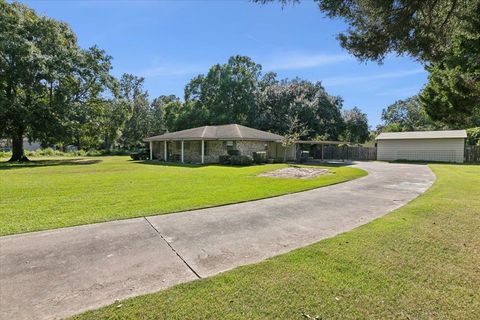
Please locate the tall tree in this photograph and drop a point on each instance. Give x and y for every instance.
(136, 126)
(157, 114)
(452, 93)
(407, 115)
(421, 29)
(44, 76)
(226, 94)
(356, 126)
(308, 101)
(425, 30)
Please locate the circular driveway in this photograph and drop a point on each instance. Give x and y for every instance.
(61, 272)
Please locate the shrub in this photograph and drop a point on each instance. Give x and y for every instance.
(80, 153)
(224, 159)
(260, 157)
(233, 152)
(93, 153)
(5, 154)
(46, 152)
(141, 155)
(473, 136)
(241, 160)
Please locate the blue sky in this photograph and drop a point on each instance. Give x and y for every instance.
(169, 42)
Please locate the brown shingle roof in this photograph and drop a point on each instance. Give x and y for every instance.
(222, 132)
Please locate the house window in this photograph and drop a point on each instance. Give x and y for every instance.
(229, 145)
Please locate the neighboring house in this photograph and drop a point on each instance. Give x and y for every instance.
(443, 146)
(206, 144)
(27, 145)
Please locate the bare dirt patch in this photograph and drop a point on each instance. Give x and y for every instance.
(294, 172)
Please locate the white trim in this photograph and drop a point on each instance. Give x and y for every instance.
(203, 151)
(165, 151)
(182, 151)
(151, 150)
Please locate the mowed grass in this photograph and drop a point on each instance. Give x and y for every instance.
(48, 194)
(421, 261)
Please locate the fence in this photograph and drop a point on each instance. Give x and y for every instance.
(350, 152)
(472, 154)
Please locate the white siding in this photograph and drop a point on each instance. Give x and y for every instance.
(445, 150)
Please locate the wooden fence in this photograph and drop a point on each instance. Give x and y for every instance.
(472, 154)
(350, 153)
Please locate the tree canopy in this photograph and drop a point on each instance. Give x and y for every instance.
(408, 115)
(452, 93)
(47, 82)
(356, 126)
(444, 35)
(238, 92)
(55, 92)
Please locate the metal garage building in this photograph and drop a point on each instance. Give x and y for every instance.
(445, 146)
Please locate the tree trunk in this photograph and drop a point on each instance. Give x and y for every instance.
(18, 154)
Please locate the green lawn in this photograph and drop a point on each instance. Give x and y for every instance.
(419, 262)
(48, 194)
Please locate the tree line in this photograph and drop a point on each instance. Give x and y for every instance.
(55, 92)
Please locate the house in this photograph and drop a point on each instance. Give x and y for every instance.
(206, 144)
(6, 144)
(443, 146)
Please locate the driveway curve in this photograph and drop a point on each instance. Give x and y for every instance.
(57, 273)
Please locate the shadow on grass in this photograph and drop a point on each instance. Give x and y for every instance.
(169, 164)
(328, 164)
(192, 165)
(47, 163)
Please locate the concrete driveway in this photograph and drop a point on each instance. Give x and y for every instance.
(58, 273)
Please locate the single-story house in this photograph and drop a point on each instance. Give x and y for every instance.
(443, 146)
(206, 144)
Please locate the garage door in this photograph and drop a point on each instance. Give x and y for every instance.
(444, 150)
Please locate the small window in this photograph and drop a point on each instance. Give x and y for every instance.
(229, 145)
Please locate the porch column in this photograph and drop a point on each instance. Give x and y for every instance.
(165, 150)
(323, 151)
(182, 151)
(151, 150)
(203, 152)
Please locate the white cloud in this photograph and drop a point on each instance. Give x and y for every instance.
(347, 80)
(295, 61)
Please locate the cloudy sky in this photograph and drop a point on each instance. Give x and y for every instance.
(169, 42)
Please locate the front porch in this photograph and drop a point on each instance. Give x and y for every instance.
(209, 151)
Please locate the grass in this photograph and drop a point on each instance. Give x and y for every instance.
(421, 261)
(53, 193)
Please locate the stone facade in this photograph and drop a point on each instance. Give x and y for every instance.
(214, 149)
(249, 147)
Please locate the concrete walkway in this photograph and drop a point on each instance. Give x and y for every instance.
(58, 273)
